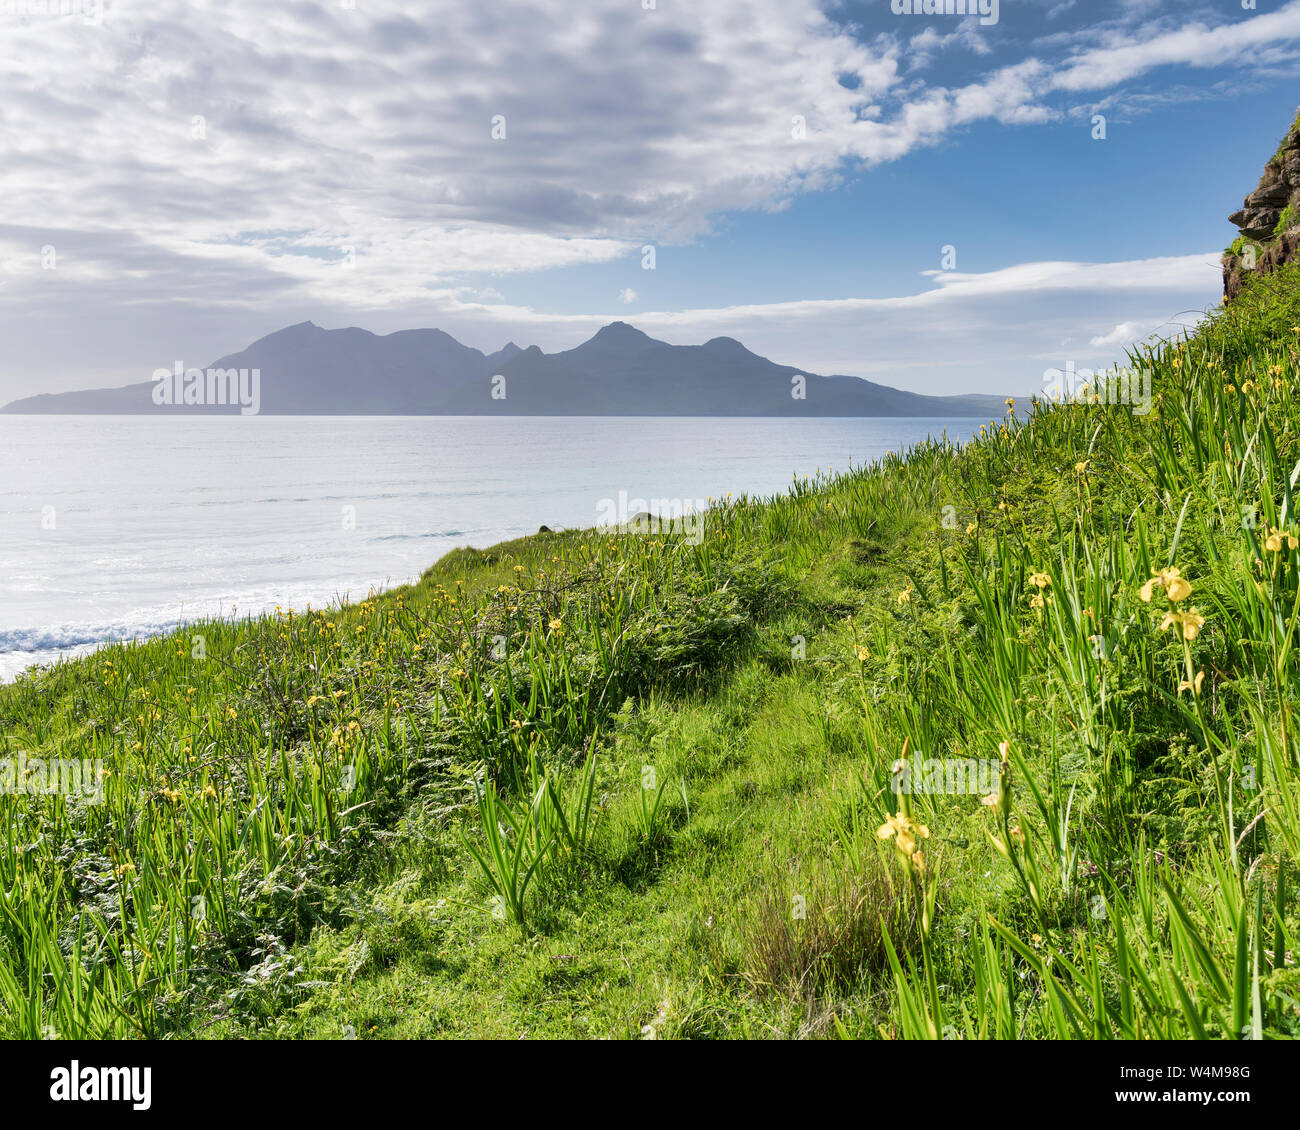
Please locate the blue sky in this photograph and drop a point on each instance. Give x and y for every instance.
(205, 173)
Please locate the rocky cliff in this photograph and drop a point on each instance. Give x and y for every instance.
(1269, 218)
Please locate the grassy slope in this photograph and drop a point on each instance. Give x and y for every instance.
(310, 779)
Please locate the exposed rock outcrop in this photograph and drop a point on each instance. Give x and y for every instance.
(1269, 219)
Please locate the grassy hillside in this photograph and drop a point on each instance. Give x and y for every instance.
(624, 786)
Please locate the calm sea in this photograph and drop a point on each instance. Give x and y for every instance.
(118, 527)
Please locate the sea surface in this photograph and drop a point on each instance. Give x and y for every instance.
(116, 527)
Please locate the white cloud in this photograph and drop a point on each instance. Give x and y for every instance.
(277, 136)
(1254, 39)
(926, 44)
(1126, 333)
(627, 295)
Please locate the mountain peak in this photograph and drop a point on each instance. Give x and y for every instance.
(300, 329)
(619, 331)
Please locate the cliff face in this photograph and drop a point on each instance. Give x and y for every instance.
(1269, 219)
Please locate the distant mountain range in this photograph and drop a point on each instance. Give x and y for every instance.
(306, 371)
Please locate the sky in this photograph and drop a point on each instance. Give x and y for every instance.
(942, 203)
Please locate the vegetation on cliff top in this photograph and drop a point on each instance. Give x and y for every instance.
(594, 784)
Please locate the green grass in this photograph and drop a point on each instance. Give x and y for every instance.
(604, 785)
(1281, 145)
